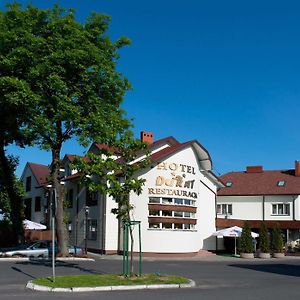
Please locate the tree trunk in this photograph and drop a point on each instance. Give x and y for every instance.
(8, 181)
(61, 230)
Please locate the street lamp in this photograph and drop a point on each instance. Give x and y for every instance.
(86, 210)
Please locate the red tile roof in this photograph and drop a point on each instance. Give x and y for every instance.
(168, 140)
(168, 151)
(40, 172)
(260, 183)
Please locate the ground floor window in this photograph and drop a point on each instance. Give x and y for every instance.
(281, 209)
(92, 229)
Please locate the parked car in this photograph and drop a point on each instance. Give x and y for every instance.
(39, 249)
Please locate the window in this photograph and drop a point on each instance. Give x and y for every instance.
(154, 200)
(91, 198)
(154, 225)
(179, 201)
(178, 214)
(281, 183)
(69, 198)
(281, 209)
(228, 183)
(188, 226)
(167, 200)
(92, 229)
(166, 213)
(178, 226)
(188, 215)
(188, 202)
(68, 170)
(28, 184)
(167, 225)
(153, 212)
(37, 204)
(224, 209)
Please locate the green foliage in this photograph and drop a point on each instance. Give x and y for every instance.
(277, 240)
(246, 245)
(67, 69)
(14, 185)
(11, 194)
(59, 76)
(264, 239)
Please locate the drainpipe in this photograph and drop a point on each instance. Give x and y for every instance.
(216, 221)
(294, 205)
(77, 210)
(103, 225)
(263, 208)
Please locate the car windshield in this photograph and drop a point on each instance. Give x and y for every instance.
(39, 245)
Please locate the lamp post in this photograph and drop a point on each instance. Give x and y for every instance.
(86, 210)
(53, 213)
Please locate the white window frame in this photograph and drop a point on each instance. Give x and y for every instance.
(281, 209)
(224, 209)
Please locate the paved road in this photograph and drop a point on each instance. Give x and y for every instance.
(218, 278)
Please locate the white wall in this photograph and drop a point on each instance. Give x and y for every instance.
(251, 207)
(297, 208)
(177, 241)
(269, 200)
(243, 207)
(111, 234)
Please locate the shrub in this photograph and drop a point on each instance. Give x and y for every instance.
(264, 239)
(277, 240)
(246, 245)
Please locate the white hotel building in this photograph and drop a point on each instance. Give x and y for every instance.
(177, 207)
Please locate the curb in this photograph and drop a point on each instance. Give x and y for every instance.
(43, 288)
(12, 259)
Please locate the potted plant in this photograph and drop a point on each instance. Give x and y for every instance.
(277, 243)
(246, 245)
(264, 242)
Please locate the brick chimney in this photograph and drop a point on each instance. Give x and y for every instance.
(147, 137)
(297, 168)
(254, 169)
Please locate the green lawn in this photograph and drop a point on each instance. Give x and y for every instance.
(108, 280)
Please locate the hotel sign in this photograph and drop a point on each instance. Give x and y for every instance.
(178, 183)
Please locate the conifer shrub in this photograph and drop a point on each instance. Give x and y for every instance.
(246, 245)
(277, 240)
(264, 239)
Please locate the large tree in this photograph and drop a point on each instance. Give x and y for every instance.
(70, 70)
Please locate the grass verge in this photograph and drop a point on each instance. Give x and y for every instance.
(108, 280)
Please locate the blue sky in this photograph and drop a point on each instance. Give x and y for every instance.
(225, 73)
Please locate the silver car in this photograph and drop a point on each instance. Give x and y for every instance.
(37, 249)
